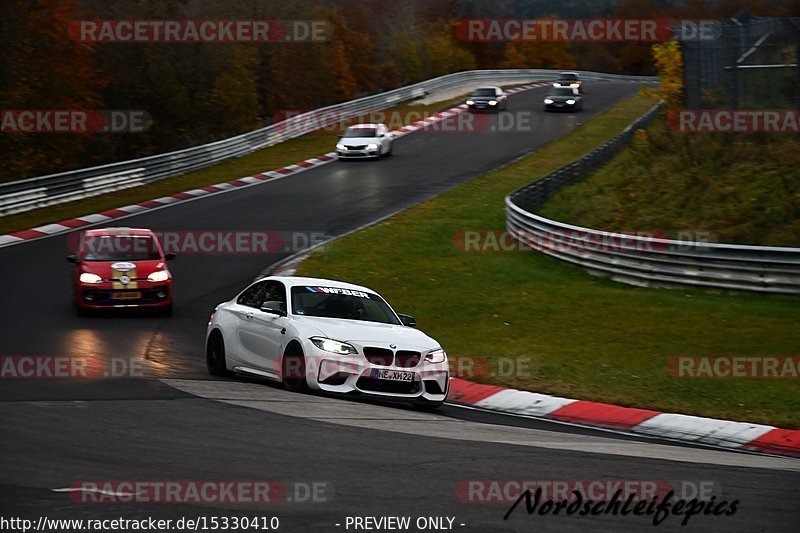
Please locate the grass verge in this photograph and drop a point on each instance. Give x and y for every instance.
(737, 188)
(277, 156)
(585, 337)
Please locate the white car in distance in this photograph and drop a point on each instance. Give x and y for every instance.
(326, 335)
(365, 141)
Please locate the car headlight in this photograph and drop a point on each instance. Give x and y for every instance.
(548, 100)
(159, 275)
(492, 102)
(333, 346)
(470, 102)
(571, 102)
(88, 277)
(372, 146)
(575, 85)
(340, 146)
(556, 84)
(436, 356)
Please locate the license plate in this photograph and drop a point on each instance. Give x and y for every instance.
(127, 295)
(392, 375)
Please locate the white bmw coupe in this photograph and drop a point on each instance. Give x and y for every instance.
(326, 335)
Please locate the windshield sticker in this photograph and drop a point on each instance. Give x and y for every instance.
(335, 290)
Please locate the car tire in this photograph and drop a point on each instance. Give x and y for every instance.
(389, 151)
(215, 356)
(82, 311)
(165, 311)
(291, 365)
(427, 407)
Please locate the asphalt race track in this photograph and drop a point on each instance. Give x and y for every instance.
(362, 459)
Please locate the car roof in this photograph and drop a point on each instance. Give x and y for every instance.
(357, 126)
(487, 87)
(568, 73)
(295, 281)
(120, 232)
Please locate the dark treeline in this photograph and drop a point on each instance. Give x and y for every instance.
(197, 93)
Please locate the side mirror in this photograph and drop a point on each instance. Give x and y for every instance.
(169, 256)
(407, 320)
(274, 308)
(72, 258)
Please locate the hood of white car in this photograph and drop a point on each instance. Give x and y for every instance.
(362, 332)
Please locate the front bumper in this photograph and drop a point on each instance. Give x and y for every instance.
(481, 106)
(358, 154)
(356, 375)
(561, 106)
(104, 296)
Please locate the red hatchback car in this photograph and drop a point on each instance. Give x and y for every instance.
(121, 268)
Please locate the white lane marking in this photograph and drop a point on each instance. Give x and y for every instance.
(377, 417)
(724, 433)
(196, 192)
(9, 239)
(94, 219)
(51, 229)
(523, 402)
(133, 208)
(166, 200)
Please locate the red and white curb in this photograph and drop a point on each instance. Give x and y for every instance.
(723, 433)
(248, 181)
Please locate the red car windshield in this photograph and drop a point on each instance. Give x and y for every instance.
(119, 248)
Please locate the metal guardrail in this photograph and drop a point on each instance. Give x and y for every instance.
(640, 260)
(24, 195)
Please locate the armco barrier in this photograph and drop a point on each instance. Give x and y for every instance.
(641, 260)
(24, 195)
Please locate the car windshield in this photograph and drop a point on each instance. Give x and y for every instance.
(564, 91)
(361, 132)
(484, 92)
(119, 248)
(333, 302)
(568, 77)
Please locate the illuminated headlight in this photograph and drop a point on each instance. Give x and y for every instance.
(548, 100)
(436, 356)
(88, 277)
(159, 275)
(571, 102)
(340, 146)
(574, 85)
(470, 102)
(330, 345)
(372, 146)
(492, 102)
(556, 84)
